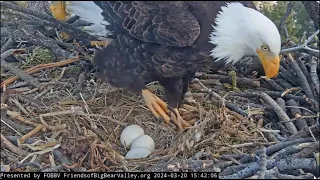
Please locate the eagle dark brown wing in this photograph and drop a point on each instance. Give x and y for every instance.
(168, 23)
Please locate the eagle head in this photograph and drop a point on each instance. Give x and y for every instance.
(241, 31)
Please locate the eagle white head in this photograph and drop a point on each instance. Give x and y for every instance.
(242, 31)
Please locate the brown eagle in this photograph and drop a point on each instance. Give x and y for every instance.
(168, 41)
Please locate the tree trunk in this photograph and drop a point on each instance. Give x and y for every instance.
(312, 8)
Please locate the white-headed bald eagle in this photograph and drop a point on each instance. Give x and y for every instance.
(169, 41)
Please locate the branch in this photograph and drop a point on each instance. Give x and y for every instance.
(263, 164)
(228, 104)
(285, 17)
(313, 10)
(17, 71)
(313, 74)
(283, 164)
(314, 52)
(278, 110)
(8, 43)
(303, 82)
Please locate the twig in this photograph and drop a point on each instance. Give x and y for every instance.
(302, 176)
(17, 127)
(232, 169)
(40, 152)
(241, 81)
(287, 91)
(43, 92)
(285, 17)
(300, 123)
(8, 43)
(60, 157)
(274, 85)
(282, 104)
(53, 169)
(67, 45)
(39, 68)
(307, 150)
(304, 46)
(35, 164)
(303, 82)
(277, 109)
(14, 140)
(274, 148)
(283, 83)
(313, 9)
(275, 95)
(287, 151)
(229, 105)
(31, 133)
(263, 164)
(314, 75)
(12, 147)
(17, 116)
(48, 43)
(287, 76)
(283, 164)
(178, 165)
(15, 70)
(304, 69)
(18, 104)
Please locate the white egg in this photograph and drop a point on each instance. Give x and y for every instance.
(129, 134)
(138, 153)
(143, 141)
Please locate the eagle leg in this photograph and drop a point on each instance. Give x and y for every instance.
(58, 10)
(184, 108)
(175, 89)
(158, 107)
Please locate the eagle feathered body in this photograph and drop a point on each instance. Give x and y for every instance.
(158, 41)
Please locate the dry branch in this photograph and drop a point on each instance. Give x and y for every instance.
(300, 123)
(263, 164)
(228, 104)
(283, 164)
(313, 10)
(12, 147)
(8, 43)
(313, 74)
(285, 17)
(277, 109)
(40, 67)
(15, 70)
(274, 148)
(303, 82)
(304, 46)
(241, 81)
(305, 132)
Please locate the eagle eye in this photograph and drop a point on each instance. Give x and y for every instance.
(265, 47)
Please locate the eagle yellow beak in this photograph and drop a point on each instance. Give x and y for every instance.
(270, 63)
(58, 10)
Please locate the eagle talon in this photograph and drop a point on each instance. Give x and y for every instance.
(178, 120)
(156, 105)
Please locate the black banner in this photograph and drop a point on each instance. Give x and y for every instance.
(111, 175)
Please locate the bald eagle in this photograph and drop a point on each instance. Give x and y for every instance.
(169, 41)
